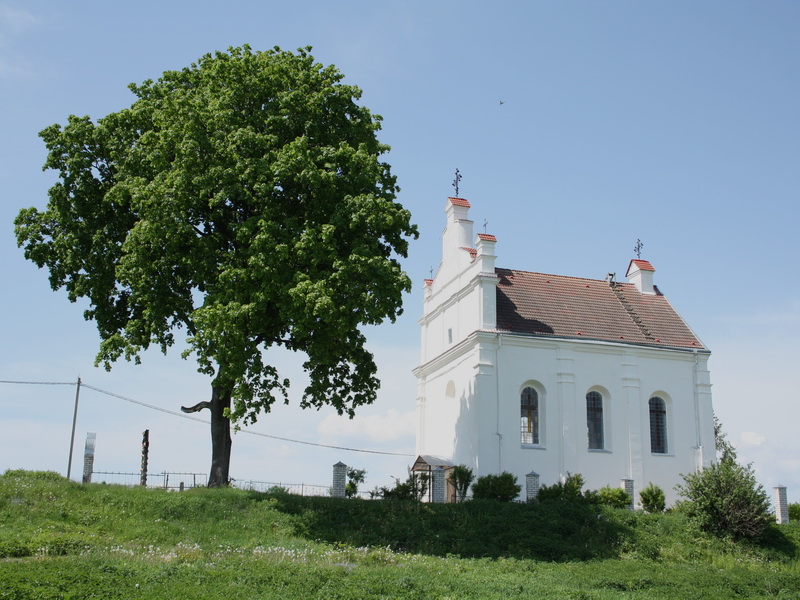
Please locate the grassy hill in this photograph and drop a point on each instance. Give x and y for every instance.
(61, 539)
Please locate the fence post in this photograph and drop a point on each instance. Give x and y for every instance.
(531, 485)
(88, 457)
(339, 479)
(145, 455)
(781, 505)
(627, 485)
(438, 485)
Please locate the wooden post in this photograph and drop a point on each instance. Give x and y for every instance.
(145, 454)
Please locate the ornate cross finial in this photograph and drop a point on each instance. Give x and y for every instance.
(431, 271)
(485, 223)
(456, 181)
(638, 248)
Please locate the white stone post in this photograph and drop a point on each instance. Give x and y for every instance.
(88, 457)
(531, 485)
(781, 505)
(627, 485)
(438, 485)
(339, 480)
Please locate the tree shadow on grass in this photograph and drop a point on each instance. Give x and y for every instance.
(548, 531)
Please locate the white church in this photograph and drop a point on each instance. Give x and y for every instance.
(544, 375)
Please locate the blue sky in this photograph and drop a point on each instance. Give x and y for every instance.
(673, 122)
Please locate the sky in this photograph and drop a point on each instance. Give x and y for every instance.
(579, 127)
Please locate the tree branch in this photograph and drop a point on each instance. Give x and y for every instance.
(197, 407)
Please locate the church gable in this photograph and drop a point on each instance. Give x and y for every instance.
(571, 307)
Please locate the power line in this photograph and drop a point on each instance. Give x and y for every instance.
(184, 416)
(39, 382)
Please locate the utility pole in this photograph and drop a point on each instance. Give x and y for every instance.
(74, 421)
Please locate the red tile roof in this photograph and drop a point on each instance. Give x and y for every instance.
(472, 251)
(487, 237)
(459, 202)
(642, 264)
(554, 305)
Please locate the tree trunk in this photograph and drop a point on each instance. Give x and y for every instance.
(220, 432)
(220, 436)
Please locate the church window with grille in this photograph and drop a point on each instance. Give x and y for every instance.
(529, 417)
(594, 420)
(658, 425)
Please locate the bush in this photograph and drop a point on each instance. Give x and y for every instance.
(653, 500)
(461, 477)
(612, 496)
(794, 512)
(569, 489)
(355, 477)
(502, 487)
(413, 488)
(726, 499)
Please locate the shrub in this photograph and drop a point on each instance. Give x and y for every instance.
(502, 487)
(354, 478)
(461, 477)
(612, 496)
(726, 499)
(413, 488)
(569, 489)
(653, 500)
(794, 512)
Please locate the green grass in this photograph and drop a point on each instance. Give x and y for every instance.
(60, 539)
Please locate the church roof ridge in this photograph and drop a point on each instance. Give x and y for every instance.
(563, 306)
(559, 276)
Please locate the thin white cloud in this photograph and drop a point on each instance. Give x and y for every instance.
(389, 427)
(751, 438)
(16, 20)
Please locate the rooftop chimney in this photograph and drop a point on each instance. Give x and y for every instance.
(640, 274)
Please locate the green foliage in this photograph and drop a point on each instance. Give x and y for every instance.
(355, 477)
(725, 450)
(569, 489)
(461, 478)
(101, 541)
(653, 499)
(502, 487)
(794, 512)
(243, 200)
(613, 496)
(726, 499)
(413, 488)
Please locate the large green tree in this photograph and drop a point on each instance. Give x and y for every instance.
(243, 199)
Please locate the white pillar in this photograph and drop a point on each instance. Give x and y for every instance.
(627, 485)
(531, 485)
(781, 505)
(339, 479)
(438, 485)
(88, 457)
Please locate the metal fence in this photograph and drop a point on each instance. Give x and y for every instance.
(183, 481)
(300, 489)
(163, 480)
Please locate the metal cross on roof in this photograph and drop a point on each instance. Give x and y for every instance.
(485, 223)
(638, 248)
(456, 180)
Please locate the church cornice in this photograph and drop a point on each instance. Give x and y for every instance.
(483, 339)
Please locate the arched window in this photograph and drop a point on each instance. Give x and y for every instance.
(529, 416)
(594, 420)
(658, 425)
